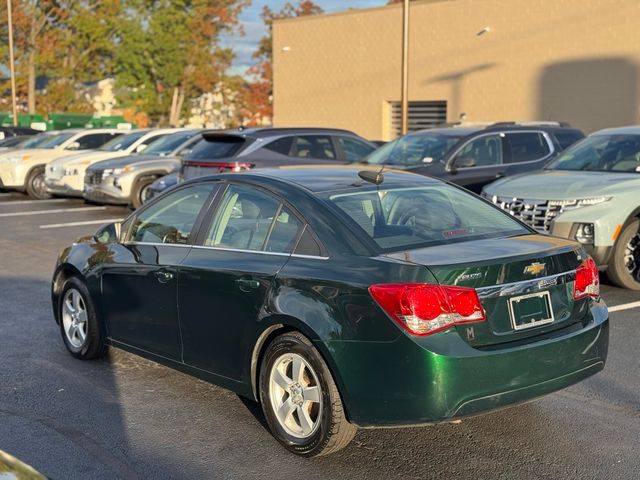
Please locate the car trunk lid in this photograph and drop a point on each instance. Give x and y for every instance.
(525, 283)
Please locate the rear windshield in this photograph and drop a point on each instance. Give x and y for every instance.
(402, 218)
(216, 148)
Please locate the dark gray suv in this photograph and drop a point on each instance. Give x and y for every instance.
(474, 156)
(248, 148)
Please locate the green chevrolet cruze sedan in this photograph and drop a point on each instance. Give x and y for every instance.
(338, 298)
(591, 194)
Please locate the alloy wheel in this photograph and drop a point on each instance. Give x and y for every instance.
(74, 318)
(632, 257)
(296, 396)
(39, 186)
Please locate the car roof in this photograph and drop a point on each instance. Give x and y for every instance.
(630, 130)
(329, 178)
(276, 131)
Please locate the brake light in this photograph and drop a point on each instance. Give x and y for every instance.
(587, 282)
(424, 309)
(221, 166)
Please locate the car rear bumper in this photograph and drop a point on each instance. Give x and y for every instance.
(99, 193)
(415, 381)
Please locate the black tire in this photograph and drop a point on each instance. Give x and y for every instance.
(93, 345)
(138, 191)
(618, 270)
(333, 432)
(35, 186)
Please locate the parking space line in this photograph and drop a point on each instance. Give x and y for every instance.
(79, 224)
(57, 210)
(27, 202)
(625, 306)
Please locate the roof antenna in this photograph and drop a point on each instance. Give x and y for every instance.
(372, 177)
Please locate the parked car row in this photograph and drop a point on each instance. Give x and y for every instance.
(522, 168)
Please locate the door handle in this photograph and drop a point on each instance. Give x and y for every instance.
(247, 284)
(163, 276)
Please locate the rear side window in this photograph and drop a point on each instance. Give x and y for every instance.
(281, 146)
(216, 148)
(95, 140)
(527, 146)
(566, 139)
(401, 218)
(315, 146)
(250, 219)
(353, 149)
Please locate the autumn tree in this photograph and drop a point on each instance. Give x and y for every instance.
(170, 51)
(67, 42)
(257, 102)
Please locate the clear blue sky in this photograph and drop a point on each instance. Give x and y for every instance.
(245, 45)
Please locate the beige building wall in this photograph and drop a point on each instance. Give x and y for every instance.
(570, 60)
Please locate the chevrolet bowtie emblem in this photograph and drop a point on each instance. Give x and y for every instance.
(534, 268)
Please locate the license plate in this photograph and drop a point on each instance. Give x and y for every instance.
(531, 310)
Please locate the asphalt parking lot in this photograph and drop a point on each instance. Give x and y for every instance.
(124, 417)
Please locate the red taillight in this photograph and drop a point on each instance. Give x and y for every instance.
(587, 282)
(424, 309)
(221, 166)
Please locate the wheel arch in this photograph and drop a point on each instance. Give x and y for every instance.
(281, 324)
(29, 172)
(63, 273)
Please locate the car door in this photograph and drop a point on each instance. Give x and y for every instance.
(139, 280)
(225, 278)
(528, 151)
(478, 162)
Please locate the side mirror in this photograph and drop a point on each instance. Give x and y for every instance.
(185, 152)
(140, 148)
(73, 146)
(462, 162)
(109, 233)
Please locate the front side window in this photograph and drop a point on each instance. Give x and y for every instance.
(401, 218)
(527, 146)
(481, 152)
(414, 149)
(354, 150)
(602, 153)
(249, 219)
(315, 146)
(172, 218)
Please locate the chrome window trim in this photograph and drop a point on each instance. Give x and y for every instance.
(260, 252)
(154, 244)
(526, 286)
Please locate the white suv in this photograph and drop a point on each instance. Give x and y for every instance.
(24, 170)
(65, 176)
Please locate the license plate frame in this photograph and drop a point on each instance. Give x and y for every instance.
(542, 308)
